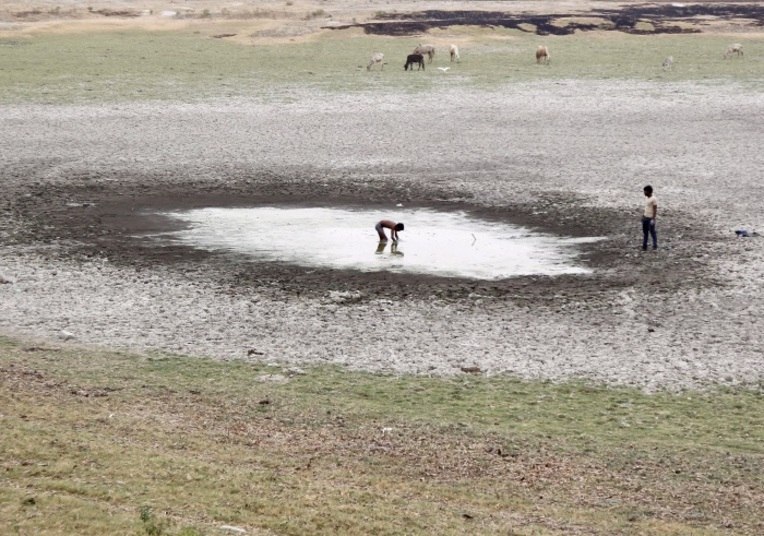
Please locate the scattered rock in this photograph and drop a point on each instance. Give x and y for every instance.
(38, 349)
(745, 233)
(343, 296)
(504, 454)
(66, 335)
(231, 528)
(273, 378)
(95, 393)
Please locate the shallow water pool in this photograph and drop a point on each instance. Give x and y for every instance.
(451, 244)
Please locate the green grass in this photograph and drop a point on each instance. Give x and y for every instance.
(97, 442)
(185, 65)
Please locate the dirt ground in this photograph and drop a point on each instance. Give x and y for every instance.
(82, 185)
(296, 19)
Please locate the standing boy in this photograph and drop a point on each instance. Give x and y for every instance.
(648, 218)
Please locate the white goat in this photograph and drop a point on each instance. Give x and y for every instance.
(454, 51)
(377, 57)
(735, 48)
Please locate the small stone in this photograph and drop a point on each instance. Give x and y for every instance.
(231, 528)
(272, 378)
(66, 335)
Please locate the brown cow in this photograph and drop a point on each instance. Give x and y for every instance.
(542, 55)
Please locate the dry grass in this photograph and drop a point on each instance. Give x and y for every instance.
(112, 443)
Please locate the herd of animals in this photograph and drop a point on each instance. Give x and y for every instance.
(735, 49)
(416, 58)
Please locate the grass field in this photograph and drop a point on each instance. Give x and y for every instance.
(185, 65)
(97, 442)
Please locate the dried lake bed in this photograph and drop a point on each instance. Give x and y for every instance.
(687, 315)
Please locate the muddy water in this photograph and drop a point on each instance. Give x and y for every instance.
(436, 243)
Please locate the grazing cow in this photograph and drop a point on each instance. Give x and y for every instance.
(542, 55)
(376, 58)
(668, 63)
(454, 51)
(735, 48)
(425, 50)
(411, 59)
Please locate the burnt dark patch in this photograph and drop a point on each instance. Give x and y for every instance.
(421, 21)
(662, 18)
(679, 11)
(25, 14)
(114, 12)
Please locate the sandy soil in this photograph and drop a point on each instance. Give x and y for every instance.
(268, 21)
(80, 183)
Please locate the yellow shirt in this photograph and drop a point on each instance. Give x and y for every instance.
(651, 204)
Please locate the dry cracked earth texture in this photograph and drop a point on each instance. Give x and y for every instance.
(82, 186)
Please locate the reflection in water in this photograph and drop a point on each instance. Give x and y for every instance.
(448, 244)
(393, 248)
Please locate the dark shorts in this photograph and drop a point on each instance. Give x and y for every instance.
(380, 231)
